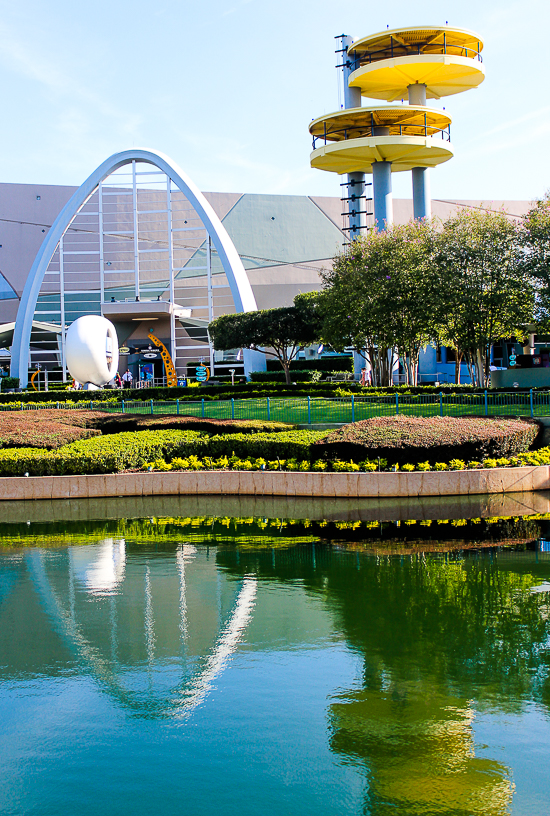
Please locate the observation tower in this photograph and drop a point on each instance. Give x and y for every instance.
(412, 64)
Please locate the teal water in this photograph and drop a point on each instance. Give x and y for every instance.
(180, 673)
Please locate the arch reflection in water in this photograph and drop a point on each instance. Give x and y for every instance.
(365, 680)
(100, 572)
(117, 619)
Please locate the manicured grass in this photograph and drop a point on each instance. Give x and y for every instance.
(301, 410)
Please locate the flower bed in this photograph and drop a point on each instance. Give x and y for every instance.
(192, 462)
(173, 448)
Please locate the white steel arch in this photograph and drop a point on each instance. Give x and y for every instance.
(241, 291)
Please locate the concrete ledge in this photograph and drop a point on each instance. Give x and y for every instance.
(256, 483)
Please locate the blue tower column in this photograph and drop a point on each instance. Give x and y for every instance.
(382, 194)
(422, 202)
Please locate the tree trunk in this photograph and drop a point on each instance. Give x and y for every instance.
(480, 365)
(414, 358)
(458, 361)
(286, 367)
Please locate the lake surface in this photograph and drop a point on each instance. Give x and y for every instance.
(214, 665)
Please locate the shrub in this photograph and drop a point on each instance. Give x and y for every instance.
(279, 376)
(404, 439)
(325, 364)
(47, 428)
(101, 454)
(289, 444)
(341, 467)
(116, 423)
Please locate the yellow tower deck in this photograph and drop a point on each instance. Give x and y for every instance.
(446, 60)
(407, 136)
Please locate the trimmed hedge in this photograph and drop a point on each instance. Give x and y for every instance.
(285, 444)
(337, 363)
(405, 439)
(102, 454)
(116, 452)
(118, 423)
(252, 390)
(297, 376)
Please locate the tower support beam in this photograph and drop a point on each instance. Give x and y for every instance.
(417, 94)
(352, 96)
(422, 202)
(382, 194)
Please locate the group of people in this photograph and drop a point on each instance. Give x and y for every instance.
(125, 381)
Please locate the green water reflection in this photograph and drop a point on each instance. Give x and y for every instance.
(430, 664)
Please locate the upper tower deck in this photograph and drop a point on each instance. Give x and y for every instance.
(446, 60)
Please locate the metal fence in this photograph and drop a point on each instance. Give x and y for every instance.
(322, 410)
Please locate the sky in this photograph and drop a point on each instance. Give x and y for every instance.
(227, 89)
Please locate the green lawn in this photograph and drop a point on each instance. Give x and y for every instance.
(342, 409)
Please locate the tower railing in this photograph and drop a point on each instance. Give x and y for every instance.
(398, 49)
(342, 134)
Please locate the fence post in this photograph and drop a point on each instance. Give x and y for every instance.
(441, 403)
(123, 407)
(396, 403)
(91, 405)
(353, 407)
(268, 408)
(202, 401)
(486, 405)
(177, 407)
(152, 409)
(232, 407)
(531, 402)
(309, 410)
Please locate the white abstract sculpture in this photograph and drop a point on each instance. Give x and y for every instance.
(91, 350)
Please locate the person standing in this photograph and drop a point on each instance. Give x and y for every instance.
(127, 378)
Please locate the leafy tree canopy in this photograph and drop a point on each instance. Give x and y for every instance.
(280, 332)
(378, 297)
(484, 293)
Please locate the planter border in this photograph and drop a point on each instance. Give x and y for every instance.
(270, 483)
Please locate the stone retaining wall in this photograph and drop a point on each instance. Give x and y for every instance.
(269, 483)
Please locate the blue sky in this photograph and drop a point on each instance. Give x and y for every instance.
(227, 88)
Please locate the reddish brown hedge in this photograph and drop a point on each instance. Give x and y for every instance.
(45, 428)
(403, 439)
(115, 423)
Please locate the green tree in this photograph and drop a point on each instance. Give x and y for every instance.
(484, 293)
(535, 234)
(280, 332)
(378, 298)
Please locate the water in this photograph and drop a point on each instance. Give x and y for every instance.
(252, 666)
